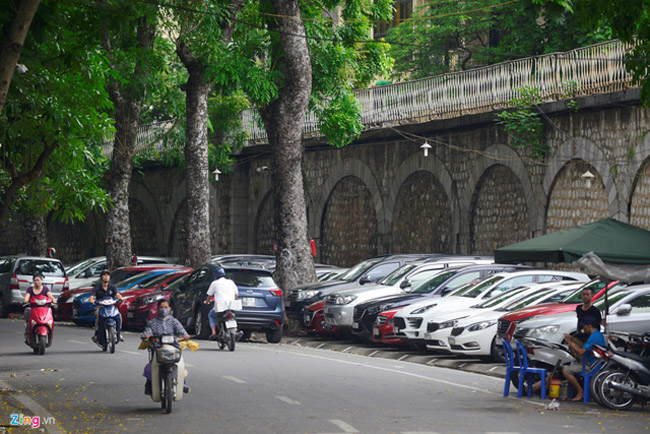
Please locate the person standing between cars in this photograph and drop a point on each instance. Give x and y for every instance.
(591, 327)
(37, 288)
(101, 290)
(223, 290)
(584, 310)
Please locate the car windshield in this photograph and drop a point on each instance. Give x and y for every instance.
(118, 276)
(429, 285)
(79, 266)
(519, 303)
(596, 286)
(29, 267)
(396, 275)
(356, 271)
(501, 298)
(251, 278)
(177, 283)
(127, 283)
(482, 287)
(612, 297)
(155, 280)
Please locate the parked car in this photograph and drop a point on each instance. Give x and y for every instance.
(412, 321)
(88, 271)
(476, 335)
(145, 287)
(83, 312)
(314, 321)
(441, 284)
(339, 305)
(245, 260)
(144, 308)
(262, 306)
(16, 273)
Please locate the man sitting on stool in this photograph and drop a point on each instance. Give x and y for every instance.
(591, 329)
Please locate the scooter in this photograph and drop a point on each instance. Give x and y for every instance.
(108, 314)
(40, 328)
(227, 325)
(167, 371)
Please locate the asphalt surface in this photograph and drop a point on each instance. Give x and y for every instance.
(266, 388)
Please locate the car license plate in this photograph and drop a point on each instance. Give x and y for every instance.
(376, 332)
(231, 324)
(452, 340)
(248, 301)
(130, 315)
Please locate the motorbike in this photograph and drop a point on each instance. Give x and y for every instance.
(40, 327)
(227, 324)
(167, 371)
(625, 379)
(108, 314)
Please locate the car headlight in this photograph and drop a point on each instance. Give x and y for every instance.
(344, 299)
(545, 330)
(424, 309)
(153, 298)
(447, 324)
(304, 295)
(481, 325)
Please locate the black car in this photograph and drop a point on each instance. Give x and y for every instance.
(368, 271)
(440, 285)
(263, 308)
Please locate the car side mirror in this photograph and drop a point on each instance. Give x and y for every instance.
(87, 273)
(364, 280)
(624, 309)
(405, 284)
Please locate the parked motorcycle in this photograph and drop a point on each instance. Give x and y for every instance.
(108, 316)
(39, 329)
(167, 370)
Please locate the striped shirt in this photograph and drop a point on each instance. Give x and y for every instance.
(164, 326)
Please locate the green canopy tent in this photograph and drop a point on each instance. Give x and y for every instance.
(611, 240)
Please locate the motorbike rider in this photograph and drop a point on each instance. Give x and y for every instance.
(164, 324)
(101, 290)
(223, 290)
(591, 328)
(37, 288)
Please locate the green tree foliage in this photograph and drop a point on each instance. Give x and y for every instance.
(55, 111)
(524, 124)
(444, 35)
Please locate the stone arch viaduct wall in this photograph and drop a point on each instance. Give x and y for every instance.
(474, 191)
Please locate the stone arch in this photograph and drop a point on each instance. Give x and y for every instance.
(639, 203)
(264, 235)
(349, 228)
(322, 192)
(422, 216)
(580, 148)
(570, 202)
(144, 229)
(504, 156)
(177, 231)
(499, 213)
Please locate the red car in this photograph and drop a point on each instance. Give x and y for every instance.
(145, 307)
(315, 321)
(508, 322)
(65, 301)
(382, 330)
(158, 282)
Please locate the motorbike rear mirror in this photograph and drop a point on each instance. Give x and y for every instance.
(624, 309)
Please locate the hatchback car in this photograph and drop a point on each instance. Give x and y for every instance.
(16, 273)
(262, 304)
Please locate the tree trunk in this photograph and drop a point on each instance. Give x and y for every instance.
(12, 44)
(35, 236)
(284, 119)
(128, 107)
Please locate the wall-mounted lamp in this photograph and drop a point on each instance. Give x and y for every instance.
(587, 176)
(426, 148)
(216, 173)
(261, 169)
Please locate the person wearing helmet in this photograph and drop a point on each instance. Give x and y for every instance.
(223, 290)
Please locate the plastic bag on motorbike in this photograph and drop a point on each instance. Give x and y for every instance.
(168, 354)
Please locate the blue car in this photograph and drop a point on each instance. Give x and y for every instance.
(262, 303)
(83, 312)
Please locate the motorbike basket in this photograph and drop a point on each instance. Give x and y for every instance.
(168, 354)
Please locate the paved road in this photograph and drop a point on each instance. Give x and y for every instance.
(265, 388)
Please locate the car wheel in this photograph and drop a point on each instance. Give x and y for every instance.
(274, 336)
(496, 352)
(4, 309)
(201, 326)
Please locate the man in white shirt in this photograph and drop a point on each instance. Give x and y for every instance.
(223, 290)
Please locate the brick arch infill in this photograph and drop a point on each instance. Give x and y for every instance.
(141, 193)
(350, 167)
(502, 155)
(582, 149)
(258, 214)
(635, 165)
(417, 163)
(264, 183)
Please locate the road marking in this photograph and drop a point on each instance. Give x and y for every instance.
(321, 345)
(373, 353)
(344, 426)
(288, 400)
(492, 368)
(127, 352)
(419, 432)
(432, 361)
(403, 357)
(296, 341)
(77, 342)
(34, 407)
(235, 380)
(347, 349)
